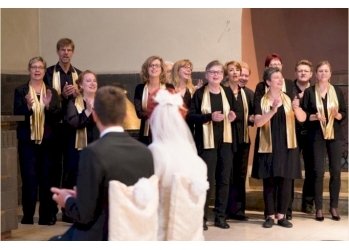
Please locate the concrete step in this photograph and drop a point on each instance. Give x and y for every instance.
(254, 194)
(255, 184)
(254, 201)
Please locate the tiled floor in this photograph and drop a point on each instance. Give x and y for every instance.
(305, 228)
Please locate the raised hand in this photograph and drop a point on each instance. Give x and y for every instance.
(295, 103)
(275, 104)
(68, 90)
(30, 101)
(46, 99)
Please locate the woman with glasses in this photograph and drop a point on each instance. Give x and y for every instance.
(276, 160)
(211, 112)
(326, 109)
(275, 61)
(40, 106)
(153, 76)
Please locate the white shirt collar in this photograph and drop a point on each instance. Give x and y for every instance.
(111, 129)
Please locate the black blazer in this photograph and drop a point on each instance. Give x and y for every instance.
(309, 106)
(115, 156)
(196, 117)
(52, 114)
(238, 124)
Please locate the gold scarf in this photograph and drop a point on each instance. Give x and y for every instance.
(332, 102)
(145, 104)
(245, 106)
(265, 138)
(37, 119)
(81, 134)
(56, 80)
(208, 127)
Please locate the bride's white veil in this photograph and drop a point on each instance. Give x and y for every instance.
(168, 125)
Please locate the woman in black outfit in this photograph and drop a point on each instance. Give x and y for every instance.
(326, 109)
(276, 159)
(153, 75)
(40, 106)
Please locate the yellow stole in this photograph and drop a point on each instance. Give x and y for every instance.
(37, 119)
(208, 127)
(145, 104)
(56, 80)
(265, 138)
(332, 102)
(245, 106)
(81, 134)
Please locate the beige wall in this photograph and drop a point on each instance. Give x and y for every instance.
(19, 39)
(119, 40)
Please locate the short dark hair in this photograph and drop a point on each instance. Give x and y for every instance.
(110, 105)
(268, 72)
(65, 42)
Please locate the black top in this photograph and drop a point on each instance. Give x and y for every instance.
(65, 78)
(195, 116)
(78, 121)
(282, 162)
(52, 114)
(238, 124)
(141, 114)
(309, 106)
(260, 90)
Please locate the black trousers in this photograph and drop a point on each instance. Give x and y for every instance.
(237, 186)
(305, 147)
(219, 165)
(276, 194)
(332, 148)
(308, 191)
(37, 172)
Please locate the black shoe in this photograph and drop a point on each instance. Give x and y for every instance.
(334, 214)
(268, 223)
(240, 217)
(319, 216)
(221, 223)
(26, 220)
(285, 223)
(205, 225)
(49, 222)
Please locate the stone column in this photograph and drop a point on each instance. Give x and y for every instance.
(9, 186)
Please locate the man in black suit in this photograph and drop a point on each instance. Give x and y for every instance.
(115, 156)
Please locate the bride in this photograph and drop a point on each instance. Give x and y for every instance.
(175, 156)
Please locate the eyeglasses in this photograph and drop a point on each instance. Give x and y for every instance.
(187, 67)
(37, 67)
(154, 66)
(275, 64)
(212, 72)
